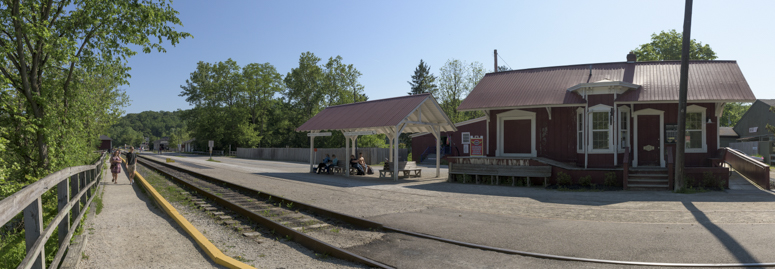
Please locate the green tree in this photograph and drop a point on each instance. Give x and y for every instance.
(49, 46)
(733, 112)
(503, 68)
(456, 80)
(667, 46)
(422, 80)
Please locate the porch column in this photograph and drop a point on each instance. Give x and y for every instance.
(311, 154)
(437, 133)
(394, 156)
(346, 167)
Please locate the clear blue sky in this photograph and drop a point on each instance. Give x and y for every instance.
(385, 40)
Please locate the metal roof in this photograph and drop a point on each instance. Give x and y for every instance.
(105, 137)
(380, 115)
(727, 131)
(708, 81)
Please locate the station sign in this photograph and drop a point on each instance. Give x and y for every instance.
(477, 146)
(319, 134)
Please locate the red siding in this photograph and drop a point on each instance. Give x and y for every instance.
(605, 99)
(420, 143)
(105, 145)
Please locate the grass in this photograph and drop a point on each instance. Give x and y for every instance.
(213, 160)
(169, 192)
(240, 258)
(98, 202)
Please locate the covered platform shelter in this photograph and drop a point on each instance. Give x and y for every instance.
(392, 117)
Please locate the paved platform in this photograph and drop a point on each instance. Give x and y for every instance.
(650, 226)
(131, 232)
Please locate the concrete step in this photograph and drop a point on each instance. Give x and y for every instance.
(648, 175)
(647, 180)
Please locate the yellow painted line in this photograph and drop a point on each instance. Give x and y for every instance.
(215, 254)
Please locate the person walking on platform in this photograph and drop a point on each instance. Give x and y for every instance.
(131, 161)
(115, 166)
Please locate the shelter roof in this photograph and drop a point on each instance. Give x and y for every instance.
(462, 123)
(105, 137)
(727, 131)
(380, 115)
(658, 81)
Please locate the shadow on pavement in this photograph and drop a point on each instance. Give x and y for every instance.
(730, 243)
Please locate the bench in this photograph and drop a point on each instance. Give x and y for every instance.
(499, 171)
(407, 168)
(336, 169)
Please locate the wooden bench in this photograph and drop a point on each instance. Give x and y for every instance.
(337, 169)
(499, 171)
(407, 168)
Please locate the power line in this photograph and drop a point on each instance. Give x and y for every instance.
(504, 61)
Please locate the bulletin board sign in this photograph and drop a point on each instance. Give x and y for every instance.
(477, 147)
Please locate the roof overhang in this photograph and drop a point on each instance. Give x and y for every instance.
(617, 87)
(426, 116)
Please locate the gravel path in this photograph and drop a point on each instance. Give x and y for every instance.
(131, 232)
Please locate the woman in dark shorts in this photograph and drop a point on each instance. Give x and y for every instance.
(115, 166)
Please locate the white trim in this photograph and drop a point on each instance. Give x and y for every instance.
(704, 148)
(517, 115)
(624, 109)
(649, 111)
(600, 108)
(579, 133)
(522, 107)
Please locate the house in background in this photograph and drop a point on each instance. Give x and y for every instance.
(106, 142)
(587, 119)
(754, 138)
(161, 144)
(453, 143)
(727, 135)
(188, 145)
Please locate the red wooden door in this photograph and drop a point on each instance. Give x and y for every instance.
(648, 140)
(516, 136)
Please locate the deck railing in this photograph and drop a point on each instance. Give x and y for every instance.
(754, 170)
(82, 182)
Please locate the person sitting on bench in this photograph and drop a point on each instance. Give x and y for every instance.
(323, 164)
(362, 162)
(332, 162)
(356, 164)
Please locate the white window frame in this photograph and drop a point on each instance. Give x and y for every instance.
(625, 110)
(701, 110)
(517, 115)
(580, 133)
(590, 137)
(463, 137)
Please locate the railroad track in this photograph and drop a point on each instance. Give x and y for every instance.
(286, 218)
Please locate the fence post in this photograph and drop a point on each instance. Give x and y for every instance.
(81, 184)
(33, 227)
(63, 197)
(76, 210)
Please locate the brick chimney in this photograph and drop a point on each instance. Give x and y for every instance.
(631, 57)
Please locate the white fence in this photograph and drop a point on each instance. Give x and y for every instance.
(372, 155)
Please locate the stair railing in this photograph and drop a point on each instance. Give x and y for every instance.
(427, 151)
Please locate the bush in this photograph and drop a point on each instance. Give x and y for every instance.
(585, 181)
(611, 180)
(563, 179)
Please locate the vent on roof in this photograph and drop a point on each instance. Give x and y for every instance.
(631, 57)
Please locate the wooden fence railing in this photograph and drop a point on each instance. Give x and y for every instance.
(81, 184)
(754, 170)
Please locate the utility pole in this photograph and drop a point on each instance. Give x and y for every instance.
(683, 88)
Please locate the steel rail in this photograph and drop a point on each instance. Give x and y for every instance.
(372, 224)
(298, 237)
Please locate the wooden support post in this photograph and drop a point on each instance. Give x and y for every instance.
(63, 197)
(528, 181)
(81, 185)
(513, 183)
(76, 210)
(33, 227)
